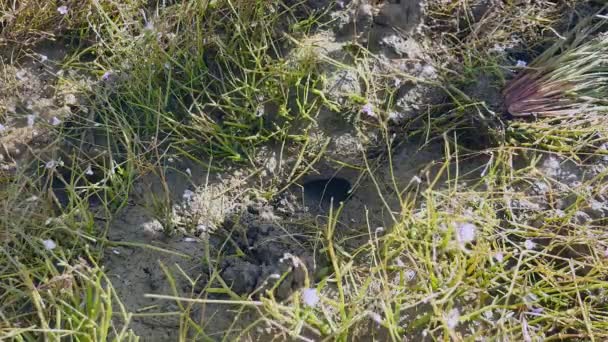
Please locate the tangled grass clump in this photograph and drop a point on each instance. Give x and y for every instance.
(569, 78)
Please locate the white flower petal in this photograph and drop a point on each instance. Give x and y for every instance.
(49, 244)
(188, 194)
(310, 297)
(33, 198)
(499, 256)
(375, 317)
(50, 164)
(30, 120)
(453, 318)
(529, 244)
(465, 232)
(106, 75)
(368, 109)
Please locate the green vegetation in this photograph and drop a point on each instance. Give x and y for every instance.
(501, 236)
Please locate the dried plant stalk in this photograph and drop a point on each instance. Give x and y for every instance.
(569, 78)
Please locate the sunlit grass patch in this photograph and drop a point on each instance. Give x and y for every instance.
(493, 258)
(51, 284)
(214, 77)
(25, 23)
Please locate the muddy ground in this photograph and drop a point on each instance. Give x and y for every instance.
(274, 235)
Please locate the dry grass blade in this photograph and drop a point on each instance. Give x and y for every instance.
(569, 78)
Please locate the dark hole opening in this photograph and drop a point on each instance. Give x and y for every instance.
(321, 193)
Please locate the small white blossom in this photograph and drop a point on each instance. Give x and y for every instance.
(55, 121)
(32, 199)
(428, 71)
(368, 110)
(30, 120)
(465, 232)
(88, 171)
(521, 64)
(51, 164)
(49, 244)
(375, 317)
(497, 48)
(189, 239)
(529, 244)
(43, 58)
(310, 297)
(115, 251)
(188, 194)
(63, 10)
(596, 205)
(410, 275)
(189, 172)
(499, 257)
(452, 318)
(21, 75)
(537, 311)
(106, 75)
